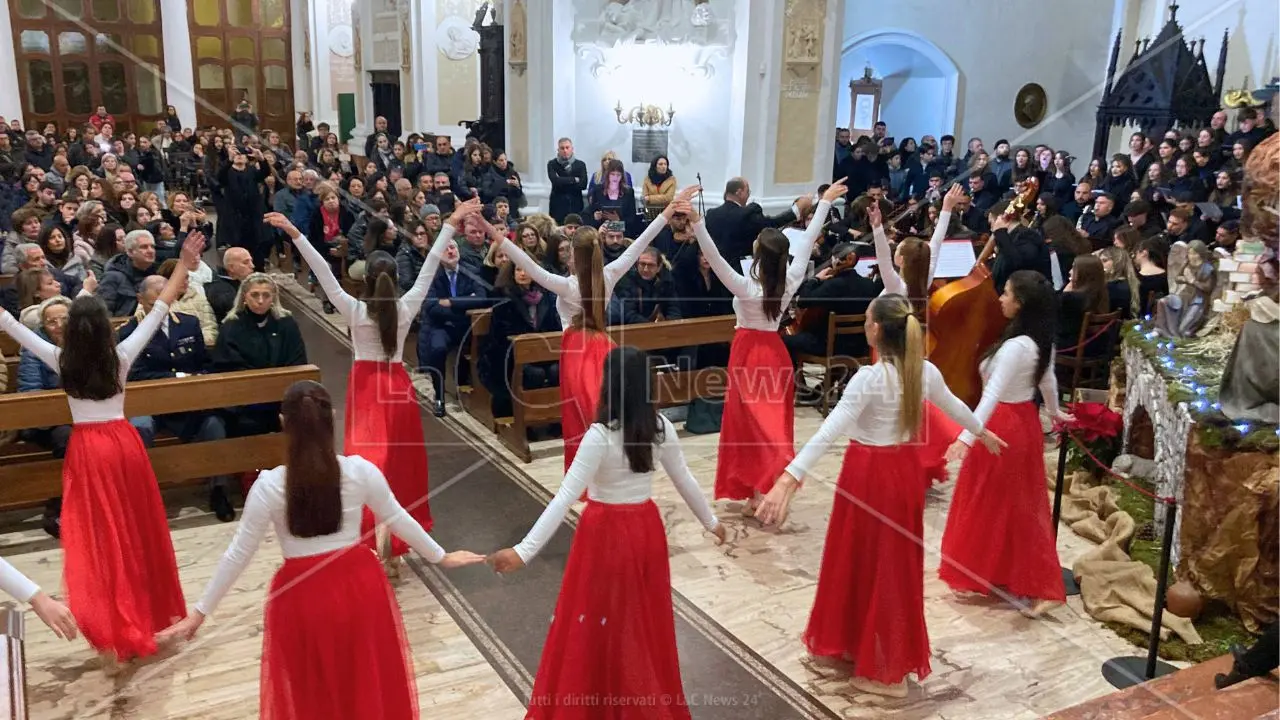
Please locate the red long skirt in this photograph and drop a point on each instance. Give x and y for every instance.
(611, 650)
(118, 567)
(869, 607)
(582, 354)
(999, 528)
(757, 434)
(333, 647)
(384, 426)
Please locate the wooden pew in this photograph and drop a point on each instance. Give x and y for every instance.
(9, 352)
(475, 398)
(533, 408)
(28, 479)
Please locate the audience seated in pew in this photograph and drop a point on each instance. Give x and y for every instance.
(123, 274)
(177, 350)
(257, 334)
(443, 324)
(237, 264)
(35, 285)
(701, 295)
(192, 302)
(413, 254)
(522, 307)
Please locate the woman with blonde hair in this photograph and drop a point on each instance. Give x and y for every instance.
(869, 607)
(1122, 281)
(600, 176)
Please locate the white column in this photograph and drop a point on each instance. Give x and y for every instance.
(179, 65)
(424, 114)
(364, 95)
(552, 112)
(10, 102)
(302, 45)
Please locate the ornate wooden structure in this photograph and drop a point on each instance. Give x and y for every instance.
(1166, 84)
(491, 127)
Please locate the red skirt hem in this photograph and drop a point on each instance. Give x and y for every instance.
(869, 607)
(757, 433)
(999, 532)
(333, 643)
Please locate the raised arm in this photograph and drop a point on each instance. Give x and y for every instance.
(944, 223)
(254, 522)
(412, 299)
(132, 346)
(889, 276)
(342, 301)
(590, 454)
(803, 252)
(542, 276)
(732, 279)
(671, 456)
(852, 402)
(619, 267)
(387, 509)
(46, 351)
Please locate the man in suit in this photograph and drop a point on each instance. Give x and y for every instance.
(735, 224)
(444, 325)
(568, 176)
(178, 350)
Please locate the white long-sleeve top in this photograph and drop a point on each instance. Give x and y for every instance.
(748, 293)
(868, 413)
(1009, 377)
(91, 411)
(17, 585)
(362, 484)
(601, 469)
(366, 341)
(893, 282)
(568, 295)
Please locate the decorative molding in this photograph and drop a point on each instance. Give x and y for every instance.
(342, 40)
(306, 35)
(357, 52)
(456, 40)
(406, 44)
(601, 66)
(518, 45)
(621, 23)
(803, 37)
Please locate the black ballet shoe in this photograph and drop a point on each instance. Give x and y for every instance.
(221, 504)
(439, 409)
(52, 520)
(1238, 672)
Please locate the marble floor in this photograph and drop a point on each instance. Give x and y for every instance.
(988, 661)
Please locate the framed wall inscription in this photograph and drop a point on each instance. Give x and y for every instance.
(648, 144)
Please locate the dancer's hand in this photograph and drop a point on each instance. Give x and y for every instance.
(952, 198)
(873, 214)
(505, 561)
(993, 442)
(282, 223)
(460, 558)
(685, 197)
(836, 191)
(957, 451)
(777, 502)
(1064, 418)
(720, 533)
(184, 629)
(462, 210)
(55, 615)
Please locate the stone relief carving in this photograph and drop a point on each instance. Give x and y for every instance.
(803, 44)
(627, 22)
(357, 52)
(456, 39)
(406, 46)
(518, 50)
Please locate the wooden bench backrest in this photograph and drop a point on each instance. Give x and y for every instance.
(9, 347)
(545, 347)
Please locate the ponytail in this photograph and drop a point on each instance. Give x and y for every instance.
(381, 297)
(588, 268)
(902, 346)
(770, 269)
(313, 479)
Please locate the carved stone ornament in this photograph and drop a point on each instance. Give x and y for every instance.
(456, 39)
(614, 23)
(406, 43)
(357, 52)
(518, 50)
(803, 35)
(1030, 105)
(306, 36)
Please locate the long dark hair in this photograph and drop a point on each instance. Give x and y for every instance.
(373, 237)
(1091, 283)
(313, 479)
(1037, 319)
(380, 298)
(770, 269)
(588, 267)
(88, 365)
(627, 403)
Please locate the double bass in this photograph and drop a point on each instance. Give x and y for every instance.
(965, 316)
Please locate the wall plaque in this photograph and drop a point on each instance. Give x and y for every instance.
(648, 144)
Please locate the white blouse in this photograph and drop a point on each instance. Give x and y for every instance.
(568, 296)
(893, 282)
(362, 484)
(366, 341)
(91, 411)
(868, 413)
(16, 584)
(601, 469)
(748, 293)
(1009, 377)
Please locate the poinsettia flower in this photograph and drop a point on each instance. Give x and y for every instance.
(1094, 421)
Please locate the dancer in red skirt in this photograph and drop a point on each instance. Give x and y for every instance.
(757, 438)
(584, 346)
(333, 646)
(917, 263)
(50, 611)
(611, 650)
(383, 418)
(869, 608)
(999, 530)
(118, 563)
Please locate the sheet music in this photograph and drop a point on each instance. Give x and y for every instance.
(956, 259)
(865, 266)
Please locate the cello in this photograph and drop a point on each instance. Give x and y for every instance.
(965, 316)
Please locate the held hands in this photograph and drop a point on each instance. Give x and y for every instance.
(184, 629)
(957, 451)
(776, 504)
(683, 199)
(460, 558)
(952, 197)
(282, 223)
(55, 615)
(462, 211)
(505, 561)
(837, 190)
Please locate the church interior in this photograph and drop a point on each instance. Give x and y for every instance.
(1123, 151)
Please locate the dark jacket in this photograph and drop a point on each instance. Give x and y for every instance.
(511, 317)
(221, 293)
(181, 350)
(845, 294)
(1101, 230)
(699, 296)
(150, 167)
(567, 186)
(247, 342)
(42, 158)
(470, 295)
(119, 286)
(624, 207)
(409, 262)
(636, 300)
(1019, 249)
(34, 375)
(734, 227)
